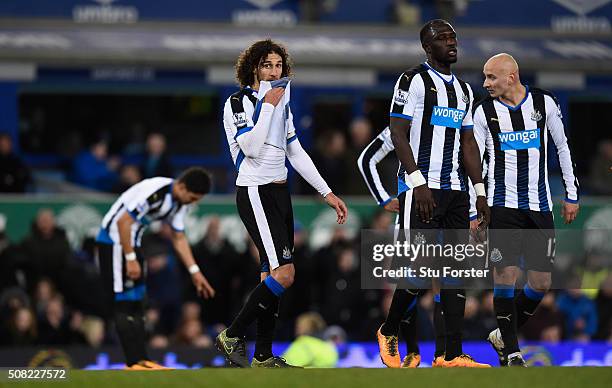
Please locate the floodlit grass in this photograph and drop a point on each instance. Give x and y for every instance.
(555, 377)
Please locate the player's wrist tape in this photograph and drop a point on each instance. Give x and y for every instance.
(417, 179)
(193, 269)
(479, 188)
(130, 256)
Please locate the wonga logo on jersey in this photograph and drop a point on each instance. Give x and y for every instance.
(447, 117)
(520, 140)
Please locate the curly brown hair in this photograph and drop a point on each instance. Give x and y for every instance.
(252, 57)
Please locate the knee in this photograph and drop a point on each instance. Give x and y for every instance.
(505, 275)
(540, 283)
(284, 275)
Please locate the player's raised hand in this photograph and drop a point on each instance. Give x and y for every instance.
(392, 206)
(569, 211)
(133, 269)
(338, 206)
(274, 96)
(204, 288)
(424, 202)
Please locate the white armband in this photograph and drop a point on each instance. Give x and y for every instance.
(479, 188)
(417, 179)
(130, 256)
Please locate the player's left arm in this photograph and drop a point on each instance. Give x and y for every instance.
(473, 166)
(182, 247)
(554, 122)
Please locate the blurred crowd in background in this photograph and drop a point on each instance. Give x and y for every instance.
(51, 294)
(90, 164)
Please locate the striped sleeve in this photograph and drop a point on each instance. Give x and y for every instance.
(480, 134)
(467, 123)
(554, 122)
(408, 91)
(178, 220)
(369, 159)
(291, 133)
(145, 197)
(236, 119)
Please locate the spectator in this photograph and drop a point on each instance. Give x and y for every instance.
(93, 168)
(190, 332)
(309, 349)
(129, 175)
(473, 329)
(10, 263)
(43, 293)
(604, 310)
(92, 329)
(157, 339)
(56, 327)
(156, 161)
(46, 248)
(329, 157)
(22, 328)
(297, 299)
(360, 135)
(164, 285)
(580, 314)
(486, 312)
(343, 304)
(546, 324)
(218, 260)
(601, 169)
(14, 174)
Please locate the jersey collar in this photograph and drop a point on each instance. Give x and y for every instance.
(440, 75)
(514, 108)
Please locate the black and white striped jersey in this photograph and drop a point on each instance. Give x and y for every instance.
(147, 201)
(240, 115)
(371, 155)
(516, 141)
(439, 107)
(376, 151)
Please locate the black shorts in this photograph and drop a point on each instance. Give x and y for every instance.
(449, 225)
(112, 265)
(451, 211)
(516, 234)
(267, 214)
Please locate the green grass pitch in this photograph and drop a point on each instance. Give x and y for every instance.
(554, 377)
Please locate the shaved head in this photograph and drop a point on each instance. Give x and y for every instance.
(503, 64)
(501, 73)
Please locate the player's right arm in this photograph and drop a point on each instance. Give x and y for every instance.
(124, 225)
(409, 90)
(251, 136)
(369, 158)
(481, 136)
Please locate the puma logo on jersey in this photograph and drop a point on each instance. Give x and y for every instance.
(494, 119)
(434, 90)
(504, 317)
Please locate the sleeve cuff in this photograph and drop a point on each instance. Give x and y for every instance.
(401, 116)
(291, 139)
(467, 128)
(474, 217)
(383, 203)
(134, 215)
(571, 200)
